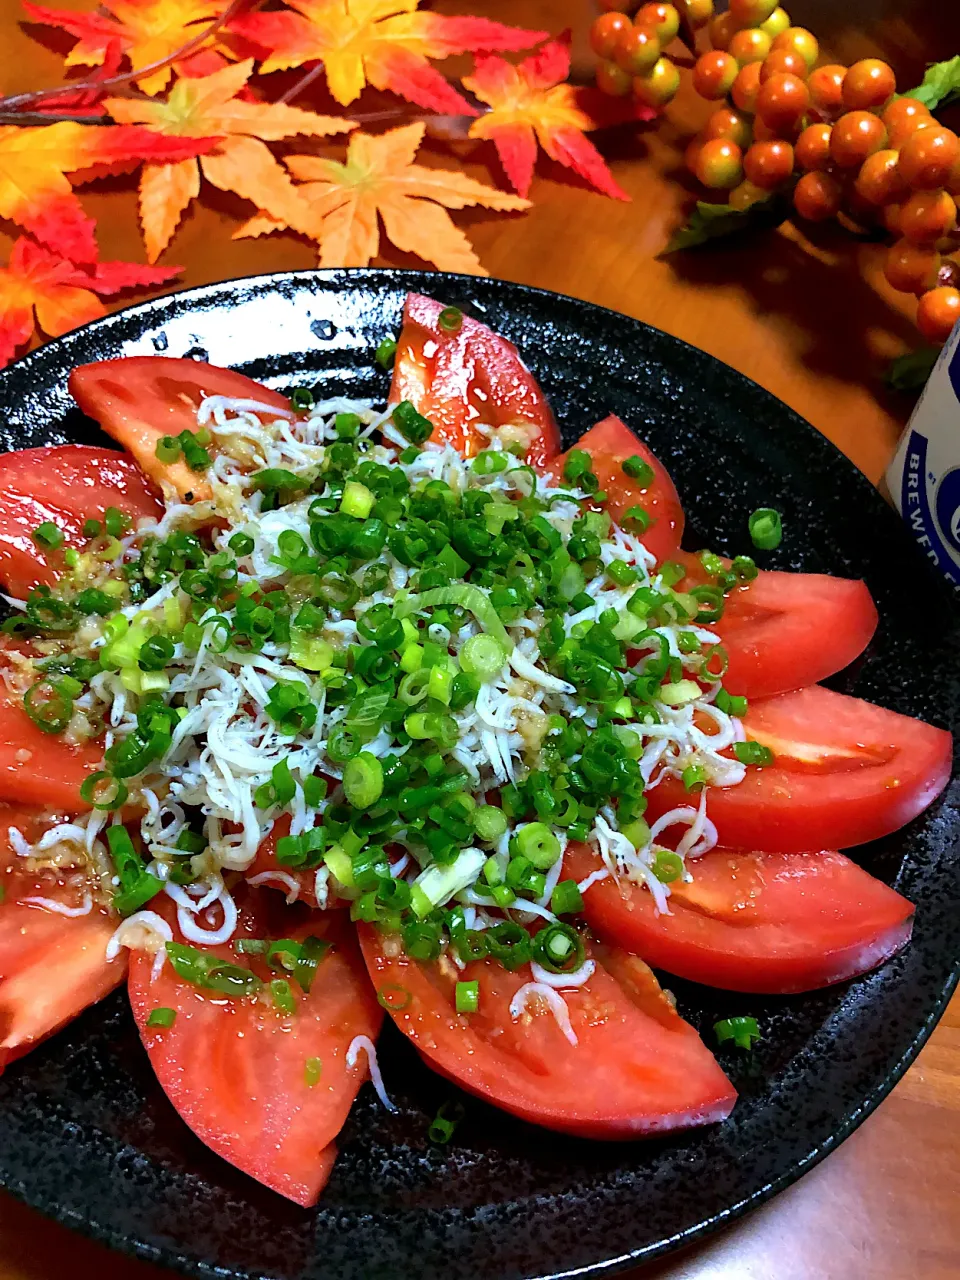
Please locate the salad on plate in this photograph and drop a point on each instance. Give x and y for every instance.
(314, 711)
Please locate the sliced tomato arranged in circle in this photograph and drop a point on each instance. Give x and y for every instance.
(52, 966)
(636, 1068)
(760, 922)
(467, 376)
(41, 768)
(609, 444)
(844, 772)
(236, 1069)
(66, 485)
(139, 399)
(784, 631)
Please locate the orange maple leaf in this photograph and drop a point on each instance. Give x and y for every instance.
(61, 294)
(531, 103)
(36, 192)
(381, 42)
(379, 181)
(145, 30)
(240, 162)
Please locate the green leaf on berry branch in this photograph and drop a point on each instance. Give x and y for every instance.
(714, 221)
(941, 84)
(910, 371)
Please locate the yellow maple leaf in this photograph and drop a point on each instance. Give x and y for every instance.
(147, 31)
(240, 162)
(380, 182)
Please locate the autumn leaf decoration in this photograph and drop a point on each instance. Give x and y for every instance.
(385, 43)
(62, 294)
(380, 181)
(239, 162)
(531, 103)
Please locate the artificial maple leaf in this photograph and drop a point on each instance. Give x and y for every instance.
(85, 102)
(380, 179)
(240, 162)
(147, 31)
(36, 193)
(61, 294)
(381, 42)
(531, 103)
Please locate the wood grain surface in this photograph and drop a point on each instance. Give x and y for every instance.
(807, 316)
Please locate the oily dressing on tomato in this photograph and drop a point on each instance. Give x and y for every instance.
(636, 1068)
(52, 966)
(65, 485)
(844, 772)
(784, 631)
(609, 444)
(752, 921)
(40, 768)
(465, 376)
(236, 1069)
(139, 399)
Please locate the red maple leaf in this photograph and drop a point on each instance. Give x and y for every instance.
(385, 43)
(531, 103)
(36, 193)
(60, 294)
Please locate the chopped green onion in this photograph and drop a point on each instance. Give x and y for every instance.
(103, 791)
(753, 753)
(204, 969)
(558, 948)
(48, 705)
(357, 500)
(566, 898)
(167, 449)
(482, 656)
(741, 1030)
(538, 843)
(444, 1124)
(162, 1017)
(667, 866)
(281, 993)
(489, 823)
(766, 528)
(450, 319)
(694, 775)
(465, 596)
(92, 528)
(312, 1071)
(301, 398)
(413, 426)
(48, 536)
(393, 997)
(467, 997)
(241, 544)
(363, 780)
(116, 522)
(638, 470)
(679, 693)
(386, 350)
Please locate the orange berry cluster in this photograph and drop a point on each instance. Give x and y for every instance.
(836, 137)
(631, 51)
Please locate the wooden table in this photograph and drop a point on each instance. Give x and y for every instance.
(808, 317)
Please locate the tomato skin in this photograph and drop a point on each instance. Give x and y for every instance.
(234, 1069)
(609, 443)
(760, 922)
(472, 375)
(785, 631)
(66, 484)
(138, 399)
(51, 966)
(41, 768)
(638, 1067)
(845, 772)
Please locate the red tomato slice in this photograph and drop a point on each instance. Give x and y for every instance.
(609, 443)
(51, 966)
(138, 399)
(66, 484)
(785, 631)
(472, 375)
(844, 772)
(42, 768)
(763, 922)
(637, 1067)
(235, 1069)
(266, 864)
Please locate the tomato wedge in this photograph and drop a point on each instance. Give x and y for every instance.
(138, 399)
(66, 484)
(762, 922)
(844, 772)
(235, 1069)
(52, 966)
(471, 375)
(784, 631)
(41, 768)
(609, 444)
(637, 1066)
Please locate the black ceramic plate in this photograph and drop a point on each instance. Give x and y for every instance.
(86, 1134)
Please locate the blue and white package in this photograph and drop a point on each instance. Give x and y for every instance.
(924, 476)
